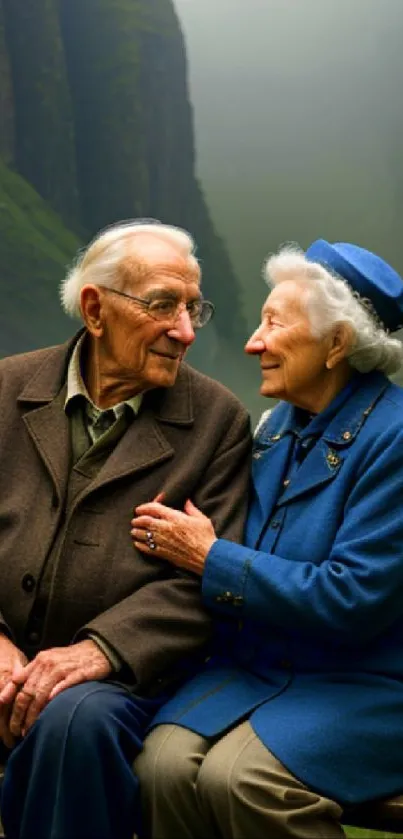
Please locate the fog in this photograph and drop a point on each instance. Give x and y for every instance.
(298, 109)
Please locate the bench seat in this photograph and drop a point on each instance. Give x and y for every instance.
(386, 815)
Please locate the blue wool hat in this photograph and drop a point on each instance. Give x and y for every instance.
(365, 273)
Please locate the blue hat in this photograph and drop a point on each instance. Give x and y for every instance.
(365, 273)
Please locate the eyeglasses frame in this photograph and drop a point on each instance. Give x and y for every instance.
(146, 304)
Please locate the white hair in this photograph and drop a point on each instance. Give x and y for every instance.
(99, 263)
(330, 301)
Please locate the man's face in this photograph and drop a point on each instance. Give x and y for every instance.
(136, 349)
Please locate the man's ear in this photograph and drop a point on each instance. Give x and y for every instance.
(341, 342)
(91, 309)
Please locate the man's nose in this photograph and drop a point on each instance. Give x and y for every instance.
(182, 330)
(255, 345)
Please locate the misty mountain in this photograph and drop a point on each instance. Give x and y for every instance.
(96, 126)
(299, 124)
(299, 129)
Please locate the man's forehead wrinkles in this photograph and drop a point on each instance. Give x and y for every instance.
(145, 266)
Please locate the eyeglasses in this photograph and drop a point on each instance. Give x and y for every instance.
(168, 309)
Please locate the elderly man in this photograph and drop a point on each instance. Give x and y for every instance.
(95, 635)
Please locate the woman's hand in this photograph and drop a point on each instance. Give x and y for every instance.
(182, 538)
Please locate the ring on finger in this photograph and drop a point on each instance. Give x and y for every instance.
(151, 543)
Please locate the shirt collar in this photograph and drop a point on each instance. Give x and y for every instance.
(76, 388)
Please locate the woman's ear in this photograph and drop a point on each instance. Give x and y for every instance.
(341, 342)
(91, 307)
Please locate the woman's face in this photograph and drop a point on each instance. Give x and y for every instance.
(292, 361)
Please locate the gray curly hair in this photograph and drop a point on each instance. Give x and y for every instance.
(330, 301)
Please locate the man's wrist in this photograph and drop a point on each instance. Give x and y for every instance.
(113, 657)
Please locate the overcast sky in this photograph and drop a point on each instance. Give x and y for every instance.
(298, 110)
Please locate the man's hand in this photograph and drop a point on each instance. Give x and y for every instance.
(48, 674)
(10, 658)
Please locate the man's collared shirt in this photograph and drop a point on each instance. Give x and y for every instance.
(97, 420)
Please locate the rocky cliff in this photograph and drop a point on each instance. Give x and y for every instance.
(95, 126)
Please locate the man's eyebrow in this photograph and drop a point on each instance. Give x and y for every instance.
(161, 292)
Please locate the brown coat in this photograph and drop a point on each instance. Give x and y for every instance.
(191, 440)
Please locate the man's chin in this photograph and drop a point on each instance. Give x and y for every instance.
(164, 378)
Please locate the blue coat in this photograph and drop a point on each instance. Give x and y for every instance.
(309, 640)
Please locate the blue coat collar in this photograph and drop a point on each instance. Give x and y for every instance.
(342, 429)
(274, 440)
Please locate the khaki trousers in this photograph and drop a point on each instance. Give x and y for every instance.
(231, 788)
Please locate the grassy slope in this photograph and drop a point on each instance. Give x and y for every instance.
(354, 833)
(44, 125)
(35, 248)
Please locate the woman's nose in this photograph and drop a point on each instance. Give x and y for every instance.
(255, 345)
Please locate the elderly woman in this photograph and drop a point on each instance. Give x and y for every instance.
(299, 710)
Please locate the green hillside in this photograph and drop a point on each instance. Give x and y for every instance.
(35, 248)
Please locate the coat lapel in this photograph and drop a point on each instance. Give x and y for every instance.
(144, 444)
(48, 428)
(42, 401)
(326, 459)
(321, 465)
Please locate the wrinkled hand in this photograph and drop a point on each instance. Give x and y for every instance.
(50, 672)
(182, 538)
(10, 658)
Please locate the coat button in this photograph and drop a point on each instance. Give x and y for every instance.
(226, 597)
(332, 459)
(275, 524)
(346, 435)
(28, 583)
(238, 600)
(33, 637)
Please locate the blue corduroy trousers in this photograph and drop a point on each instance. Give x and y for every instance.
(71, 776)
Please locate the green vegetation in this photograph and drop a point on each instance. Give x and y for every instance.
(35, 248)
(355, 833)
(103, 62)
(6, 97)
(44, 134)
